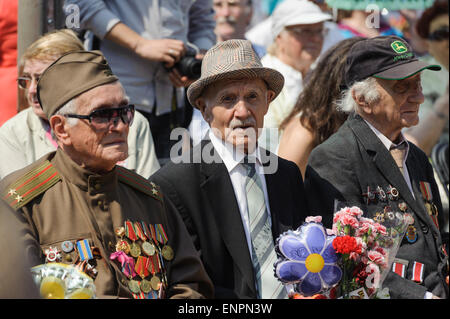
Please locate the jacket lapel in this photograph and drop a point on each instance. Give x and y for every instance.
(218, 191)
(384, 162)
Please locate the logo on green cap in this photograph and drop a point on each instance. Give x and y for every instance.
(399, 47)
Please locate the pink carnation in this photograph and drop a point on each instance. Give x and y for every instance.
(380, 229)
(349, 220)
(355, 211)
(377, 258)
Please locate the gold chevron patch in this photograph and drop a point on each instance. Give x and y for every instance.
(30, 185)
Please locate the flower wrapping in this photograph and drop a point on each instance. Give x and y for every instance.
(366, 248)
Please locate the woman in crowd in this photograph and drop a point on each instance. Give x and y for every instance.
(315, 117)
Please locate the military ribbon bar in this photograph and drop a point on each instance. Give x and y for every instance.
(399, 269)
(161, 234)
(84, 250)
(426, 191)
(139, 231)
(129, 231)
(417, 272)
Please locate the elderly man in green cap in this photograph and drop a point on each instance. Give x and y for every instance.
(77, 203)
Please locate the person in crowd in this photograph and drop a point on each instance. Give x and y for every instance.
(369, 163)
(27, 136)
(433, 125)
(143, 40)
(240, 197)
(297, 33)
(359, 23)
(88, 211)
(315, 116)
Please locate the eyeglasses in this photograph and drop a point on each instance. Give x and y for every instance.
(24, 82)
(102, 118)
(309, 33)
(439, 35)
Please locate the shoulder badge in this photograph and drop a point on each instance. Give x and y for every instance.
(30, 185)
(138, 182)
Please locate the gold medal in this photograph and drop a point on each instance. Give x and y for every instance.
(122, 245)
(133, 285)
(148, 248)
(146, 286)
(135, 250)
(155, 282)
(167, 252)
(120, 231)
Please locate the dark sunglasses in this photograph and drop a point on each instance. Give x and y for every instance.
(102, 118)
(439, 35)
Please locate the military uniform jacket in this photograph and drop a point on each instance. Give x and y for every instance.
(61, 201)
(353, 159)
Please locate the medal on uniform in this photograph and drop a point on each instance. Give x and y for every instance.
(166, 250)
(122, 244)
(135, 250)
(84, 250)
(142, 271)
(402, 206)
(381, 194)
(379, 217)
(143, 234)
(155, 283)
(411, 234)
(392, 193)
(427, 195)
(369, 196)
(52, 255)
(133, 285)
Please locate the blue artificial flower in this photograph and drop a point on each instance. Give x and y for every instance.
(307, 258)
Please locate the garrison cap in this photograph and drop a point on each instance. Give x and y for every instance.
(72, 74)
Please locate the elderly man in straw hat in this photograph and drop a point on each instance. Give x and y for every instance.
(235, 197)
(86, 210)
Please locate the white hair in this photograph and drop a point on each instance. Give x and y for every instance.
(366, 88)
(69, 108)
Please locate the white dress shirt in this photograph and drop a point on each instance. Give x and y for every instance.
(238, 175)
(388, 144)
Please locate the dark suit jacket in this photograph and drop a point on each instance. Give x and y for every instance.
(204, 196)
(354, 158)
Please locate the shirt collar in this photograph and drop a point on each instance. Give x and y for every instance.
(230, 156)
(387, 142)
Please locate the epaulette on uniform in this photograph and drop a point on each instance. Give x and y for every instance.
(30, 185)
(138, 182)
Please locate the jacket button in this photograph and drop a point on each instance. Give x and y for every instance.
(97, 186)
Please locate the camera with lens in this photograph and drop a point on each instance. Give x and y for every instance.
(189, 66)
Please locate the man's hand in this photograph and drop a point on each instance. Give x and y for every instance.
(169, 51)
(179, 80)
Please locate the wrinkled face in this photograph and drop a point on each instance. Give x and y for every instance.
(235, 110)
(232, 18)
(99, 150)
(33, 69)
(398, 105)
(300, 45)
(439, 48)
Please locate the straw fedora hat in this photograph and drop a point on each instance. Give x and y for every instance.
(233, 59)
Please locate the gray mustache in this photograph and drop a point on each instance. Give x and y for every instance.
(230, 20)
(237, 122)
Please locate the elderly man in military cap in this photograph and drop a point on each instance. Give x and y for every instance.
(369, 163)
(79, 205)
(235, 197)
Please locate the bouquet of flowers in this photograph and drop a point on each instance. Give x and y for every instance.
(351, 260)
(367, 248)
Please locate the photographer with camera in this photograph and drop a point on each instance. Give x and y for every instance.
(147, 44)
